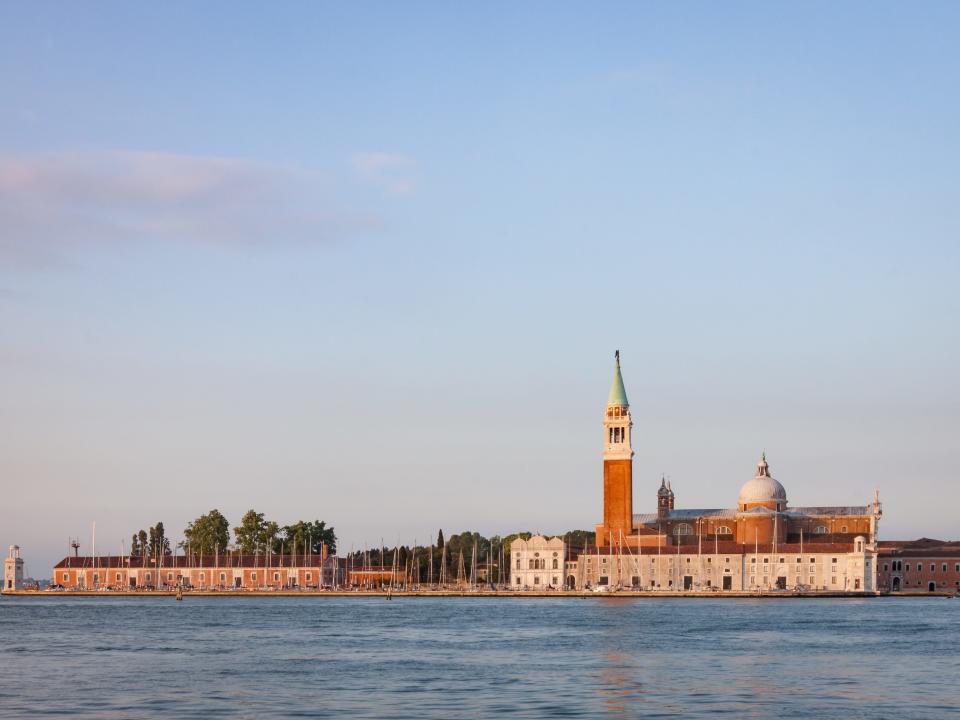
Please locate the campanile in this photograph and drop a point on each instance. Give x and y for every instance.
(617, 465)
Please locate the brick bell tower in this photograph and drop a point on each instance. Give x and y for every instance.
(617, 465)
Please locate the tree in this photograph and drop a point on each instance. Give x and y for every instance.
(310, 535)
(158, 543)
(142, 542)
(255, 534)
(207, 534)
(135, 548)
(579, 539)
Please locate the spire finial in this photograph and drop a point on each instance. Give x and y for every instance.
(618, 395)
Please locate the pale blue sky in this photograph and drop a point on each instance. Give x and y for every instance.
(370, 263)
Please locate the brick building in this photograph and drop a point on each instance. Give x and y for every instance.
(922, 565)
(231, 571)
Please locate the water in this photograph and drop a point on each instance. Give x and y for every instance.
(476, 658)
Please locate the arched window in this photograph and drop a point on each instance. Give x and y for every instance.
(724, 530)
(683, 529)
(843, 528)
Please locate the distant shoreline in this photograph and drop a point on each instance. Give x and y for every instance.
(465, 593)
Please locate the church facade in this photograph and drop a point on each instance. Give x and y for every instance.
(762, 542)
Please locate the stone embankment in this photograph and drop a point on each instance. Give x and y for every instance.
(457, 593)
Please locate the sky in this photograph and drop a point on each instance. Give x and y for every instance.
(369, 262)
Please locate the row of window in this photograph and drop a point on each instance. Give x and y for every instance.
(687, 529)
(536, 580)
(65, 577)
(898, 566)
(783, 560)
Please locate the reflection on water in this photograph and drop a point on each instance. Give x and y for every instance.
(618, 687)
(463, 657)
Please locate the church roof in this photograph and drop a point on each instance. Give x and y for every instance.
(797, 512)
(830, 510)
(618, 394)
(651, 518)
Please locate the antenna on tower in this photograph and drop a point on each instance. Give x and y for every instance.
(76, 547)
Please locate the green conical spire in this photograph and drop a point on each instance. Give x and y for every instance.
(618, 394)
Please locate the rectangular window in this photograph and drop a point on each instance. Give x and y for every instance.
(253, 576)
(518, 581)
(944, 568)
(202, 576)
(118, 577)
(309, 577)
(933, 567)
(833, 580)
(834, 560)
(276, 577)
(812, 560)
(223, 577)
(66, 577)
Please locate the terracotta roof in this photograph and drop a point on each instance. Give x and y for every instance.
(722, 548)
(924, 547)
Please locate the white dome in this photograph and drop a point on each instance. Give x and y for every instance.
(762, 487)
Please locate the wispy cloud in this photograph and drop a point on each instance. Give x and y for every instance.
(391, 172)
(50, 202)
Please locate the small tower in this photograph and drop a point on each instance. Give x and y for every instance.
(617, 464)
(13, 570)
(664, 499)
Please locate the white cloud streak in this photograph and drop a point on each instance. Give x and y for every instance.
(52, 202)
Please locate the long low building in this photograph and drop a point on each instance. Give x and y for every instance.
(204, 572)
(834, 567)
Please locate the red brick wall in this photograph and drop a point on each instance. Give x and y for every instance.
(916, 574)
(617, 500)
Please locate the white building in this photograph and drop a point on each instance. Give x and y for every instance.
(537, 563)
(837, 568)
(13, 570)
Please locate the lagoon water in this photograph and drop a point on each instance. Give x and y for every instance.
(475, 658)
